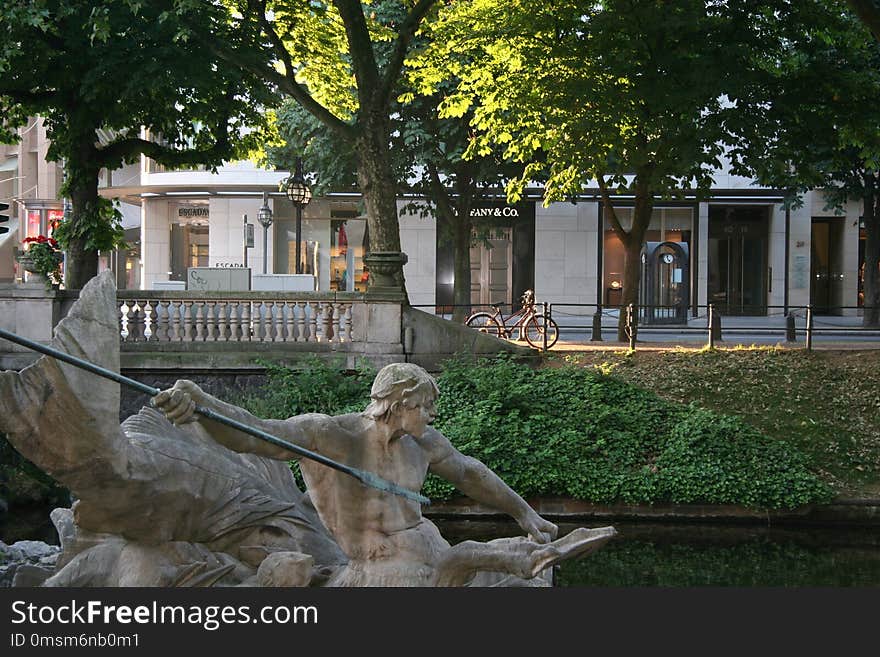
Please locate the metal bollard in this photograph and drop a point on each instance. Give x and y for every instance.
(809, 339)
(715, 325)
(631, 326)
(711, 327)
(597, 326)
(546, 325)
(790, 330)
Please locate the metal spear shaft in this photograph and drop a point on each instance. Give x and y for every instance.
(366, 478)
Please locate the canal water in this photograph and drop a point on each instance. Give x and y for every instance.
(664, 555)
(688, 555)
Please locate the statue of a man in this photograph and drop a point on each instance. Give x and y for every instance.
(386, 538)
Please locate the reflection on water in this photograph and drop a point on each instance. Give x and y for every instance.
(648, 554)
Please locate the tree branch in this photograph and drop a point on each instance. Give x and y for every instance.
(293, 88)
(285, 83)
(439, 192)
(616, 226)
(869, 13)
(404, 38)
(360, 47)
(124, 149)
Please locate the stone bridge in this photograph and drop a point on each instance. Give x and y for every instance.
(220, 338)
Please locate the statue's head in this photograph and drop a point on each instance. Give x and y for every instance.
(401, 388)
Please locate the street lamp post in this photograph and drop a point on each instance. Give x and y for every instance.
(300, 194)
(264, 216)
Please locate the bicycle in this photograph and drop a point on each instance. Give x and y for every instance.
(531, 325)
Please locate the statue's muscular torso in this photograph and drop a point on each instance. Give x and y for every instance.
(369, 523)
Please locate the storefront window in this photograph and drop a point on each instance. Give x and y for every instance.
(667, 225)
(53, 218)
(348, 244)
(34, 221)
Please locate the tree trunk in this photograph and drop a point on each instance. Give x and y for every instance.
(461, 288)
(81, 264)
(379, 187)
(632, 271)
(632, 266)
(871, 316)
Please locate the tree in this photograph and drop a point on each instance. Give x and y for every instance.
(426, 158)
(623, 93)
(868, 12)
(807, 117)
(342, 61)
(98, 72)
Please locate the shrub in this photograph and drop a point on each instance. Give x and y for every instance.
(579, 433)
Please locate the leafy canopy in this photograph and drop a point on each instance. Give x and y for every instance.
(606, 89)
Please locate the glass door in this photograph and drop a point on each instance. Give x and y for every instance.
(737, 282)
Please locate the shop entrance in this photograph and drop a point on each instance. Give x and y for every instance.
(826, 266)
(665, 288)
(492, 269)
(189, 248)
(737, 282)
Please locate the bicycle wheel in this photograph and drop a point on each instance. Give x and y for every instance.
(535, 328)
(485, 323)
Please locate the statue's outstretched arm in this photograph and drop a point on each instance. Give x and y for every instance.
(479, 483)
(179, 403)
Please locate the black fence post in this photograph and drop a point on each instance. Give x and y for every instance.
(790, 329)
(711, 326)
(809, 327)
(597, 326)
(546, 324)
(631, 326)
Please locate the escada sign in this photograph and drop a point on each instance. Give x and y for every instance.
(193, 211)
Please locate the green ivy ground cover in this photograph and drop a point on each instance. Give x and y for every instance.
(826, 403)
(577, 432)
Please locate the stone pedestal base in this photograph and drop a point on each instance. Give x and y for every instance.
(386, 275)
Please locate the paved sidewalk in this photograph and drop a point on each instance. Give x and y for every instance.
(829, 332)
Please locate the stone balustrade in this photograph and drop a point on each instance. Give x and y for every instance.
(229, 333)
(238, 318)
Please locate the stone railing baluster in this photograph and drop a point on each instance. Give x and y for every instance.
(122, 318)
(312, 335)
(177, 320)
(279, 322)
(222, 309)
(162, 329)
(268, 322)
(346, 323)
(234, 327)
(187, 321)
(258, 316)
(291, 328)
(200, 320)
(132, 321)
(181, 317)
(245, 321)
(210, 321)
(150, 316)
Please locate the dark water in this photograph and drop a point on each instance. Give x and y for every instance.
(645, 554)
(667, 555)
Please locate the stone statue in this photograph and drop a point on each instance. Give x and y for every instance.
(195, 503)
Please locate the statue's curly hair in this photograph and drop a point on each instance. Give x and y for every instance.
(396, 384)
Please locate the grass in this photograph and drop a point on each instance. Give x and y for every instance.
(826, 403)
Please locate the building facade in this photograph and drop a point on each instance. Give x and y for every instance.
(31, 186)
(739, 249)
